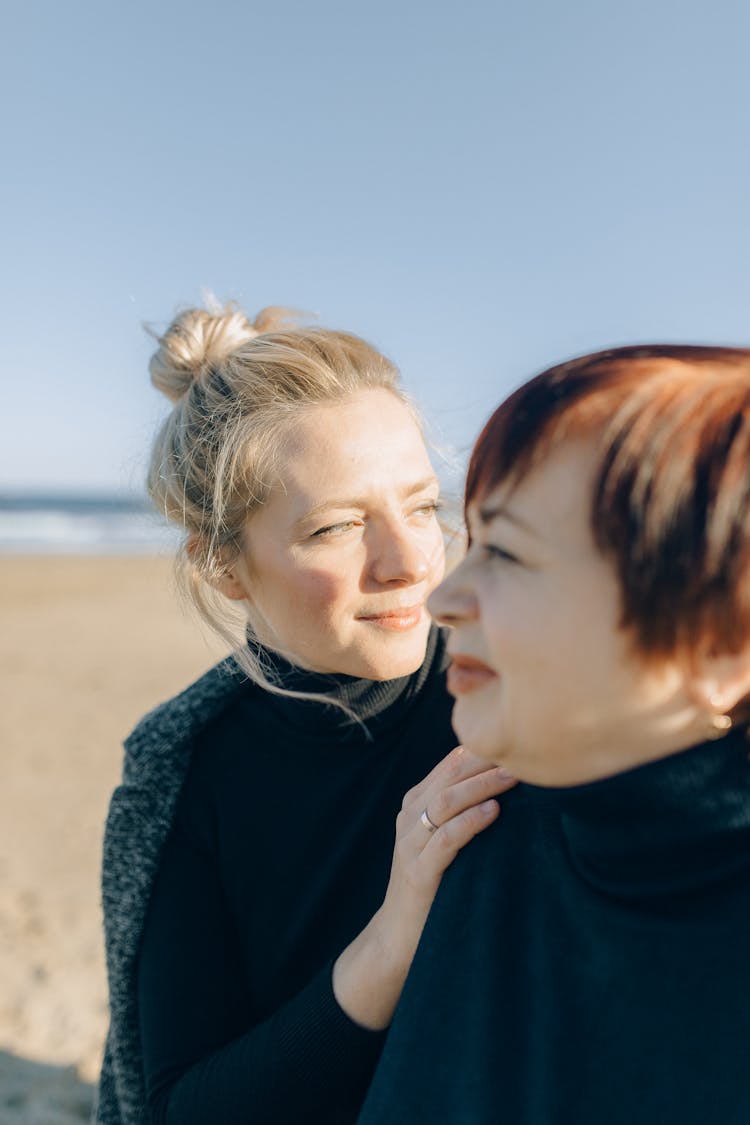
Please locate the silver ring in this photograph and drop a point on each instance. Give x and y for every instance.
(429, 824)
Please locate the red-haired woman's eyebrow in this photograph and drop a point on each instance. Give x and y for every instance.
(491, 512)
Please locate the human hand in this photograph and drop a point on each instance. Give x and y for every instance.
(438, 817)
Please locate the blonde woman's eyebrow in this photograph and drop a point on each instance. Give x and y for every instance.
(336, 503)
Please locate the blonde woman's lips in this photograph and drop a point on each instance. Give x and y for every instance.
(466, 674)
(396, 620)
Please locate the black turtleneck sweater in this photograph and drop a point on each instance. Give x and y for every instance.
(590, 964)
(279, 855)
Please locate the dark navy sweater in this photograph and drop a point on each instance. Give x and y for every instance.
(590, 963)
(279, 855)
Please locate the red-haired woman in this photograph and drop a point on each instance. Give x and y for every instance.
(594, 965)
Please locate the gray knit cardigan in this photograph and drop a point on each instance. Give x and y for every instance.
(157, 755)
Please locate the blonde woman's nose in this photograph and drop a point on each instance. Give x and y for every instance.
(400, 558)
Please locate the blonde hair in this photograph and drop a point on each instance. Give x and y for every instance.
(236, 386)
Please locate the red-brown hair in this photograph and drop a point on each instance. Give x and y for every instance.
(671, 497)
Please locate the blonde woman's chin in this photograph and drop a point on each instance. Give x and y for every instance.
(391, 647)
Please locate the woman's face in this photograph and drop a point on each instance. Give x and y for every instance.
(546, 682)
(339, 562)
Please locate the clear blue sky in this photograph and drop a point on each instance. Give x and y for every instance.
(480, 189)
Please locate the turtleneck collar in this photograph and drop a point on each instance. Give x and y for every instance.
(672, 825)
(376, 704)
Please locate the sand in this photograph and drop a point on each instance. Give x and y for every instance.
(87, 645)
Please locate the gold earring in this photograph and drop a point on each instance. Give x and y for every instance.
(719, 725)
(719, 721)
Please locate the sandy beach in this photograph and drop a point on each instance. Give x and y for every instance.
(87, 646)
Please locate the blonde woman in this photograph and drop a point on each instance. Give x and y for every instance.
(259, 924)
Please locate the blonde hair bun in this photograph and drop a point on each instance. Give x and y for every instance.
(199, 340)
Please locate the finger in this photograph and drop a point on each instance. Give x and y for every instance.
(455, 766)
(427, 822)
(443, 846)
(442, 804)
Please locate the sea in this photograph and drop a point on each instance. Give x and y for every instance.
(78, 524)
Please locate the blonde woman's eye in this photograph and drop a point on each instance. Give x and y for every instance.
(430, 507)
(332, 529)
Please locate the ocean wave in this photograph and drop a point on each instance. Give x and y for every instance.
(81, 526)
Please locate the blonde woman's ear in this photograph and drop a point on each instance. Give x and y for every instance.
(226, 582)
(230, 586)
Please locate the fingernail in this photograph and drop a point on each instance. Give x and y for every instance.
(505, 774)
(488, 806)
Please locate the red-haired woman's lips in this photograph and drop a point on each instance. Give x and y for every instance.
(466, 674)
(397, 620)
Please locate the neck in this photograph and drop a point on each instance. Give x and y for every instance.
(348, 706)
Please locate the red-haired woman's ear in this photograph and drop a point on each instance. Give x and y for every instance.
(719, 681)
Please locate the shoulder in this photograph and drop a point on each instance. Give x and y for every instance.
(174, 724)
(505, 851)
(141, 810)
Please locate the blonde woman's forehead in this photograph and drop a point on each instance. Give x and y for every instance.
(374, 409)
(373, 430)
